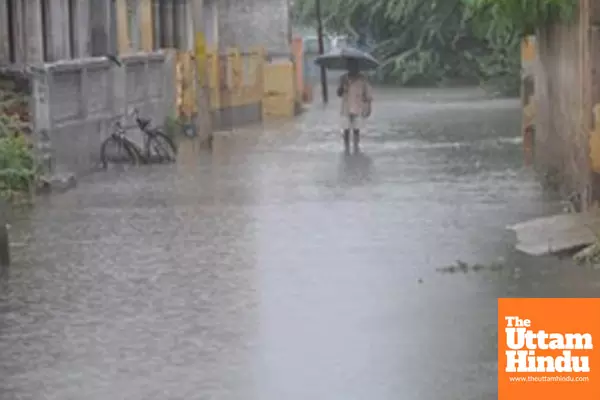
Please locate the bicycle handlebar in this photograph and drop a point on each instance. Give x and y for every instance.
(119, 122)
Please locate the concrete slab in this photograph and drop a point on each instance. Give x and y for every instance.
(557, 233)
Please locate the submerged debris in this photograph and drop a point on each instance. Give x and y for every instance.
(588, 255)
(461, 266)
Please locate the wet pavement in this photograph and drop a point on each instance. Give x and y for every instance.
(278, 267)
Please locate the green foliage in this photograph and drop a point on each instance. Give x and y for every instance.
(522, 16)
(500, 67)
(17, 167)
(171, 125)
(423, 42)
(17, 163)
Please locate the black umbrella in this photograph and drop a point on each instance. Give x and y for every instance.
(338, 59)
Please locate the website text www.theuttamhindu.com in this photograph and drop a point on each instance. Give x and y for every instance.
(554, 378)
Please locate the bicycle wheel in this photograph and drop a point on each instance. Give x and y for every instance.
(135, 151)
(159, 150)
(161, 146)
(166, 140)
(119, 151)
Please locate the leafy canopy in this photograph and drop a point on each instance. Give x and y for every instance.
(431, 41)
(524, 16)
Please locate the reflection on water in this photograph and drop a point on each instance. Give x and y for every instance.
(356, 167)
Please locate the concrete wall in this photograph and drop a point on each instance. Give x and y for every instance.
(563, 109)
(76, 103)
(228, 118)
(210, 13)
(102, 28)
(279, 91)
(248, 23)
(558, 105)
(52, 30)
(4, 33)
(236, 87)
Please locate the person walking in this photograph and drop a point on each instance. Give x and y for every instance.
(356, 93)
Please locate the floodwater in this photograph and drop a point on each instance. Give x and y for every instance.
(278, 267)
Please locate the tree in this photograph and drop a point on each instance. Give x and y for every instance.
(431, 41)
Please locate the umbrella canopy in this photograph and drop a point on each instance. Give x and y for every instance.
(338, 59)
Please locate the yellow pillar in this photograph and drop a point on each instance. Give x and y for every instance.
(234, 63)
(528, 49)
(214, 67)
(201, 58)
(146, 25)
(203, 115)
(123, 40)
(595, 141)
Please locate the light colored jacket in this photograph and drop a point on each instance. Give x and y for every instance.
(357, 95)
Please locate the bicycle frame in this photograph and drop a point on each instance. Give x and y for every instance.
(143, 124)
(118, 130)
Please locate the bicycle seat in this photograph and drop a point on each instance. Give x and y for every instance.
(143, 122)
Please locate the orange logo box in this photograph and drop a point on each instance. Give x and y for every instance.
(548, 349)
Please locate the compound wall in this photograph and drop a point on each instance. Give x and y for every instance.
(76, 102)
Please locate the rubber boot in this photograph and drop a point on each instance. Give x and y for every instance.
(346, 139)
(356, 137)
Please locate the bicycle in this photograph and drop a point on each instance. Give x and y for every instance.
(127, 151)
(156, 141)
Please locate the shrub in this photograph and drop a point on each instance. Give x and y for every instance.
(17, 162)
(17, 167)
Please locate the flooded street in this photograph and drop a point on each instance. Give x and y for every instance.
(279, 268)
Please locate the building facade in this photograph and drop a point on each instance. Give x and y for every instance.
(36, 31)
(244, 23)
(218, 76)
